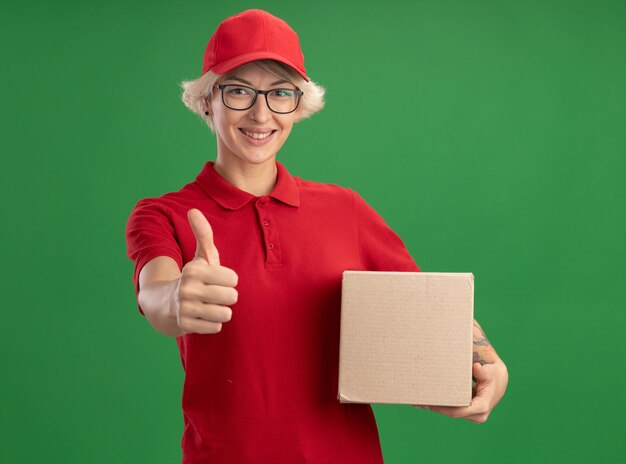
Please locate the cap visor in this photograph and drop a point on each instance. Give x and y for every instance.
(240, 60)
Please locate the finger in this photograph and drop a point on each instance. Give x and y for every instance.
(216, 294)
(212, 275)
(485, 380)
(200, 326)
(205, 247)
(478, 418)
(453, 411)
(208, 312)
(480, 373)
(208, 294)
(463, 412)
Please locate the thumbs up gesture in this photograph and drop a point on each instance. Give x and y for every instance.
(205, 289)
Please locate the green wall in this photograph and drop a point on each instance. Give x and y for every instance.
(491, 135)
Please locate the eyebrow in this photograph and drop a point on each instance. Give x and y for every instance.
(234, 78)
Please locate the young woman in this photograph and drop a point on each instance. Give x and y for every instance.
(243, 266)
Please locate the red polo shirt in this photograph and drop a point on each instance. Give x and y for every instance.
(264, 389)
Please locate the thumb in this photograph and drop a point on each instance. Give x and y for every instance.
(205, 248)
(480, 374)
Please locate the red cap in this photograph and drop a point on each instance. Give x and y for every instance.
(252, 35)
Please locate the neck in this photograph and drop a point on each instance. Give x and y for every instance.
(256, 179)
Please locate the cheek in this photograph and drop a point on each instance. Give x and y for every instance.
(287, 128)
(221, 120)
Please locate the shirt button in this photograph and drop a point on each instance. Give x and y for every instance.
(266, 222)
(271, 246)
(262, 200)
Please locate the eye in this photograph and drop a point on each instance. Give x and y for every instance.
(282, 93)
(237, 91)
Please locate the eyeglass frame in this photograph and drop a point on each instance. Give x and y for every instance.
(298, 93)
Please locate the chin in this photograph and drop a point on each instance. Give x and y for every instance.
(258, 158)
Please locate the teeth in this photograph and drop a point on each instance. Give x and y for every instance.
(255, 135)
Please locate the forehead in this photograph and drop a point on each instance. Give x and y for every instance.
(254, 74)
(246, 69)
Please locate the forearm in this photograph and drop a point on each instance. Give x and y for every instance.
(484, 353)
(157, 300)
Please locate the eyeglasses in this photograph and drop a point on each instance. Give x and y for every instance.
(241, 97)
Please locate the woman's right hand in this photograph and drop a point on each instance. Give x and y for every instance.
(204, 289)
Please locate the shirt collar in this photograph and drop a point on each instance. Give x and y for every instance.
(230, 197)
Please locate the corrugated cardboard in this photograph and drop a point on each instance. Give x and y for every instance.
(406, 338)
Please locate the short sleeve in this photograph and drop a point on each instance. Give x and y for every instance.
(380, 247)
(150, 233)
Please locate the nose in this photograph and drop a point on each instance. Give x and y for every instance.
(260, 111)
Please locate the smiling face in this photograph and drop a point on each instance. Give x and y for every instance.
(255, 135)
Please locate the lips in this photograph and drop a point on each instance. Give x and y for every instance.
(257, 135)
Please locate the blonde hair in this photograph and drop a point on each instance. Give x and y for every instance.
(196, 92)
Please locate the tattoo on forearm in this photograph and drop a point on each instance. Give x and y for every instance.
(483, 351)
(479, 357)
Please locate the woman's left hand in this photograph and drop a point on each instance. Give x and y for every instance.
(491, 382)
(491, 376)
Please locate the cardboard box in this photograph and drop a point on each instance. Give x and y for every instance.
(406, 338)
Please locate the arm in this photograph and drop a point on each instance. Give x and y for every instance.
(491, 376)
(158, 280)
(483, 351)
(194, 299)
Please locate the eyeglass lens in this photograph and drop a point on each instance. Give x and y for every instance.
(240, 97)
